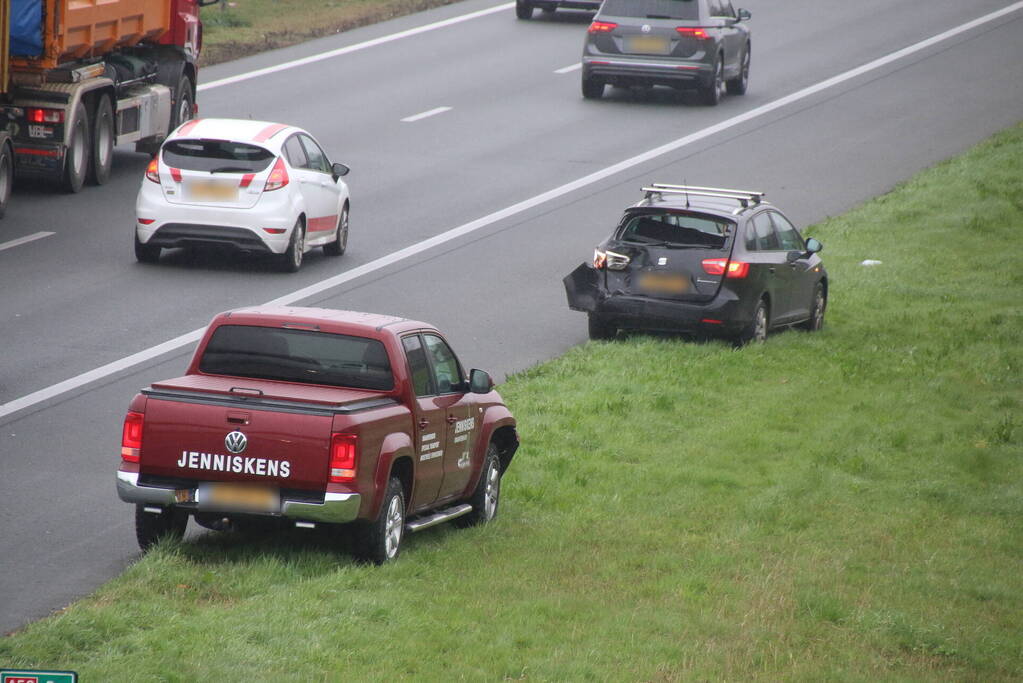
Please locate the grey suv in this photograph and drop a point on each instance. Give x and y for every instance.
(683, 44)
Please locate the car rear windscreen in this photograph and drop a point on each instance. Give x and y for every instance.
(298, 356)
(216, 156)
(652, 9)
(676, 230)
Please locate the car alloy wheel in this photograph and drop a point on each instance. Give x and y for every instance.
(394, 527)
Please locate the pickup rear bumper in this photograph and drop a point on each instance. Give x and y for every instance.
(336, 508)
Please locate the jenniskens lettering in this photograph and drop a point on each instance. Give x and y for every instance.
(215, 462)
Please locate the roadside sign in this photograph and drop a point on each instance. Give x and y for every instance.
(30, 676)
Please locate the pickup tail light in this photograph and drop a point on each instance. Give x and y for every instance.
(278, 176)
(722, 266)
(602, 27)
(344, 450)
(153, 171)
(131, 437)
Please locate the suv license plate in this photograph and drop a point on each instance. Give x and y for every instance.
(238, 497)
(647, 45)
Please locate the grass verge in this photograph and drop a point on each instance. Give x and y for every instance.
(842, 505)
(245, 27)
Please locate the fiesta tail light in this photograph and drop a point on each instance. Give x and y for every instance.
(278, 176)
(693, 32)
(131, 437)
(344, 449)
(602, 27)
(722, 266)
(39, 115)
(153, 171)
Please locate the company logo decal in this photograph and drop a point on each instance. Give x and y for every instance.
(236, 442)
(216, 462)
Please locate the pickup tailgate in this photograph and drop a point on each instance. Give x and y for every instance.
(219, 429)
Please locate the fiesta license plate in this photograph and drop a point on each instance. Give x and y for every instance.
(238, 497)
(664, 283)
(211, 191)
(647, 45)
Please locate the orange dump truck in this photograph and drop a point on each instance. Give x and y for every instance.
(80, 76)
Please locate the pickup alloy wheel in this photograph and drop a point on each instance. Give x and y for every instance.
(487, 495)
(381, 540)
(150, 526)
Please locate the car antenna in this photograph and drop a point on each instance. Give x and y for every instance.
(686, 185)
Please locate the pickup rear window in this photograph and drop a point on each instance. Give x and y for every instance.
(216, 156)
(294, 355)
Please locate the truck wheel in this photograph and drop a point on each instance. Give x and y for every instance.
(76, 159)
(150, 527)
(485, 498)
(340, 243)
(292, 257)
(102, 142)
(145, 253)
(6, 176)
(381, 540)
(183, 103)
(523, 10)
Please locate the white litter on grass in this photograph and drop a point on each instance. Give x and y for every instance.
(870, 262)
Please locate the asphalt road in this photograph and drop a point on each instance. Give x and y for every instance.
(76, 300)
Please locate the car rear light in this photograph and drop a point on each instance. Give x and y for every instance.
(37, 115)
(275, 231)
(722, 266)
(617, 261)
(131, 437)
(153, 171)
(599, 259)
(344, 450)
(692, 32)
(278, 176)
(146, 221)
(602, 27)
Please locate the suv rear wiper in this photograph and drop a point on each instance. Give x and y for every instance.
(657, 16)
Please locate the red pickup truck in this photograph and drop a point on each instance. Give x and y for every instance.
(312, 416)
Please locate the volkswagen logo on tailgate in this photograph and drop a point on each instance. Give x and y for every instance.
(236, 442)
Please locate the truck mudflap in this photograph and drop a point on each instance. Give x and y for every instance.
(581, 288)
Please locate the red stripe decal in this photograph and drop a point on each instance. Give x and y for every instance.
(246, 180)
(322, 223)
(176, 174)
(31, 151)
(268, 132)
(187, 126)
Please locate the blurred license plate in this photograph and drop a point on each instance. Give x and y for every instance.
(211, 190)
(242, 497)
(664, 283)
(647, 45)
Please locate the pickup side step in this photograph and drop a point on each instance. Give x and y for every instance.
(439, 517)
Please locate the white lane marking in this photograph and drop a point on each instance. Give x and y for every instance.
(354, 48)
(569, 69)
(27, 238)
(454, 233)
(425, 114)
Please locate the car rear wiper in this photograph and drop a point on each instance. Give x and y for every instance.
(229, 169)
(657, 16)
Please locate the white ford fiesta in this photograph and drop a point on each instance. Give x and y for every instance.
(250, 185)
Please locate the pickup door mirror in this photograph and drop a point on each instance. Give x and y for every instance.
(339, 170)
(480, 382)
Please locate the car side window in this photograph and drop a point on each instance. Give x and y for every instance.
(787, 233)
(751, 236)
(767, 240)
(417, 364)
(317, 159)
(446, 372)
(294, 152)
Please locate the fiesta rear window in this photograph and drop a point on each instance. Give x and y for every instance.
(676, 230)
(298, 356)
(652, 9)
(216, 156)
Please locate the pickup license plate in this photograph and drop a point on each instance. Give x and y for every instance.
(647, 45)
(239, 497)
(211, 191)
(663, 283)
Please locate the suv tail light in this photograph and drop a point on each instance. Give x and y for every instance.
(153, 171)
(278, 176)
(344, 449)
(131, 437)
(602, 27)
(693, 32)
(722, 266)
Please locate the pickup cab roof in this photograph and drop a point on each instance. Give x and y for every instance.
(323, 319)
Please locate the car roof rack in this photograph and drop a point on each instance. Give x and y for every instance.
(744, 197)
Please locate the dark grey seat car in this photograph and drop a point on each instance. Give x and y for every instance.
(524, 8)
(705, 261)
(684, 44)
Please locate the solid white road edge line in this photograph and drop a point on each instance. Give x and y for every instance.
(27, 238)
(425, 114)
(419, 247)
(330, 54)
(569, 69)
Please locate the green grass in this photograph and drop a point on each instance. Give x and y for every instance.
(846, 505)
(245, 27)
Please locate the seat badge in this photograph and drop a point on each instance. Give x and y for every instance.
(645, 28)
(663, 261)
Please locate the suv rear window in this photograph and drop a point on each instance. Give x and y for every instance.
(298, 356)
(676, 230)
(653, 9)
(217, 156)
